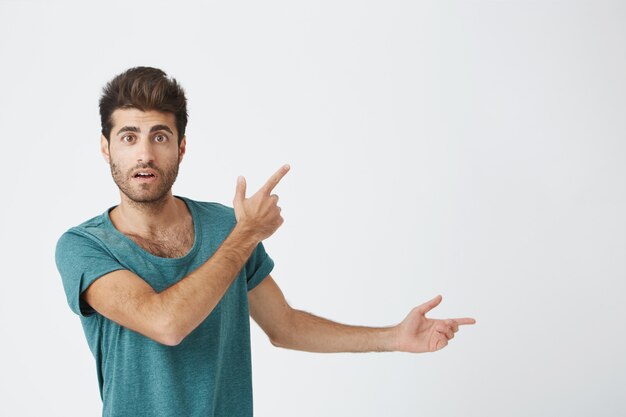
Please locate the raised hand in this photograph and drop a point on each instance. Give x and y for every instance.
(416, 333)
(260, 213)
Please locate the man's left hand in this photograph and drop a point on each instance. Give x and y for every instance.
(417, 333)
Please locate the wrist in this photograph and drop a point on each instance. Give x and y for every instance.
(244, 232)
(393, 339)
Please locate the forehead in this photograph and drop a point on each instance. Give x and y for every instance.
(142, 119)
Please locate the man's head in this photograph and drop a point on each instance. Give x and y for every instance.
(143, 88)
(143, 121)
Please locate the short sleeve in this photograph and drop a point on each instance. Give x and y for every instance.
(258, 266)
(80, 261)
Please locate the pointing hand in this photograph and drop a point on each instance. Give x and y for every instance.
(417, 333)
(260, 213)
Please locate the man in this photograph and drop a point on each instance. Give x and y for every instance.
(164, 285)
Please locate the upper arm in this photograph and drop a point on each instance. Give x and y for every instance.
(269, 309)
(93, 279)
(128, 300)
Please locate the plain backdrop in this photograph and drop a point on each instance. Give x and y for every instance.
(474, 149)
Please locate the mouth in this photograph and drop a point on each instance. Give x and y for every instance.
(144, 175)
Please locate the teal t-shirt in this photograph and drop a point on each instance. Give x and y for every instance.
(209, 373)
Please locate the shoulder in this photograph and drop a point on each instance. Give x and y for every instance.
(212, 211)
(88, 233)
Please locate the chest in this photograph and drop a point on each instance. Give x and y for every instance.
(173, 243)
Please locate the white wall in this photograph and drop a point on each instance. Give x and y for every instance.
(473, 149)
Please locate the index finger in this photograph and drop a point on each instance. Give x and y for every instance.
(275, 179)
(465, 321)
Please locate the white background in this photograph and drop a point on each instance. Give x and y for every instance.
(471, 149)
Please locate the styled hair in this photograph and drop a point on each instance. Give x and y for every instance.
(143, 88)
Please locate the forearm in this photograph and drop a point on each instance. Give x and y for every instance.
(311, 333)
(188, 303)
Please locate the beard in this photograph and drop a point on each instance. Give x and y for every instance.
(141, 193)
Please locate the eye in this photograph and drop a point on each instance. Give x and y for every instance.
(128, 138)
(160, 138)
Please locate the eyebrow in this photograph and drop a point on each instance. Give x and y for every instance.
(135, 129)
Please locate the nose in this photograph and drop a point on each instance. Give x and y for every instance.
(145, 152)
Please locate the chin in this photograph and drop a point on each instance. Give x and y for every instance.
(147, 198)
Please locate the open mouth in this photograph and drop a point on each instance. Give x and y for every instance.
(144, 175)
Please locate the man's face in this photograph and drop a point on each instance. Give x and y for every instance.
(143, 153)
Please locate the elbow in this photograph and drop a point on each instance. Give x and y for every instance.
(276, 343)
(164, 326)
(282, 335)
(169, 333)
(169, 339)
(281, 339)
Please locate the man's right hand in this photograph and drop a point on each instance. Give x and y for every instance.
(259, 214)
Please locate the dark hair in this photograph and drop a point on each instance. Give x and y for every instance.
(144, 88)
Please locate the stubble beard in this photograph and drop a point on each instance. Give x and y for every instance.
(145, 195)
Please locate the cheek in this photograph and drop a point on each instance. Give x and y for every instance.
(168, 157)
(120, 164)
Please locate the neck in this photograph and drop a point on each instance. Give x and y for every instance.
(146, 219)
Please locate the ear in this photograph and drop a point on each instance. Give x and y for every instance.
(181, 149)
(104, 149)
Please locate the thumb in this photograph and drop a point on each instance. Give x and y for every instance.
(240, 192)
(429, 305)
